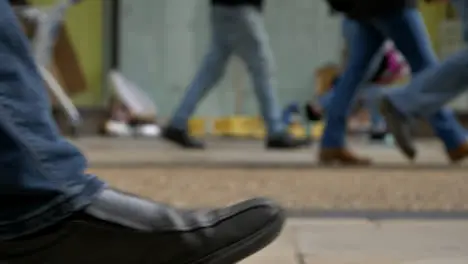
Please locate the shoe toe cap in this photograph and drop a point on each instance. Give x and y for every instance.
(253, 215)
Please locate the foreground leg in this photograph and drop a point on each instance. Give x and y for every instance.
(372, 94)
(43, 177)
(51, 212)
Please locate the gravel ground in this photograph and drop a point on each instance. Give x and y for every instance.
(328, 189)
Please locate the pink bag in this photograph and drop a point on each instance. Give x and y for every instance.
(396, 68)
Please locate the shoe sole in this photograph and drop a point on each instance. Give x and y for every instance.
(247, 246)
(305, 144)
(178, 144)
(402, 139)
(338, 163)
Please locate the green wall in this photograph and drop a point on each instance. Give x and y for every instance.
(85, 27)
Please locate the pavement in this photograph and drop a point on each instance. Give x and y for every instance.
(355, 241)
(234, 169)
(231, 170)
(129, 152)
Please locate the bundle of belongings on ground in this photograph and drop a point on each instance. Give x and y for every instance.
(130, 112)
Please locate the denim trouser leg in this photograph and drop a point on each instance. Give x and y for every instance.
(363, 47)
(411, 38)
(430, 90)
(42, 178)
(325, 99)
(212, 69)
(371, 95)
(253, 47)
(210, 72)
(368, 91)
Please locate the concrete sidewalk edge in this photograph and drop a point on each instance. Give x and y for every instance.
(265, 165)
(377, 214)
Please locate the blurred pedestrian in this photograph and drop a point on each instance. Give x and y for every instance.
(237, 28)
(387, 67)
(374, 22)
(428, 93)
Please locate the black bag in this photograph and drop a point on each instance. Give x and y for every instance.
(343, 6)
(366, 9)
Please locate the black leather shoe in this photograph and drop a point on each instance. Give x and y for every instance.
(182, 138)
(377, 136)
(287, 142)
(120, 228)
(312, 113)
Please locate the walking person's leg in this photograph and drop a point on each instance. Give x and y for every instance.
(52, 212)
(325, 99)
(431, 89)
(424, 97)
(363, 46)
(371, 95)
(208, 75)
(409, 33)
(252, 45)
(367, 92)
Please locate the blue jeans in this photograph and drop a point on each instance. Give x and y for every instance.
(432, 89)
(236, 31)
(369, 92)
(371, 95)
(42, 176)
(408, 32)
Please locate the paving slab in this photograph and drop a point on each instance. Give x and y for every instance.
(341, 242)
(283, 250)
(264, 259)
(356, 241)
(284, 246)
(440, 261)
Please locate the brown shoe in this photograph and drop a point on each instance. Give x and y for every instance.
(342, 156)
(458, 154)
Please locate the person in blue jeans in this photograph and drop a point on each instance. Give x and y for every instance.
(387, 66)
(370, 97)
(53, 212)
(237, 29)
(375, 21)
(428, 93)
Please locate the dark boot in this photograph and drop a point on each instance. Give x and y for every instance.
(124, 229)
(399, 126)
(182, 138)
(377, 136)
(313, 113)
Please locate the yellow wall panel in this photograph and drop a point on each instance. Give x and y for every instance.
(85, 28)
